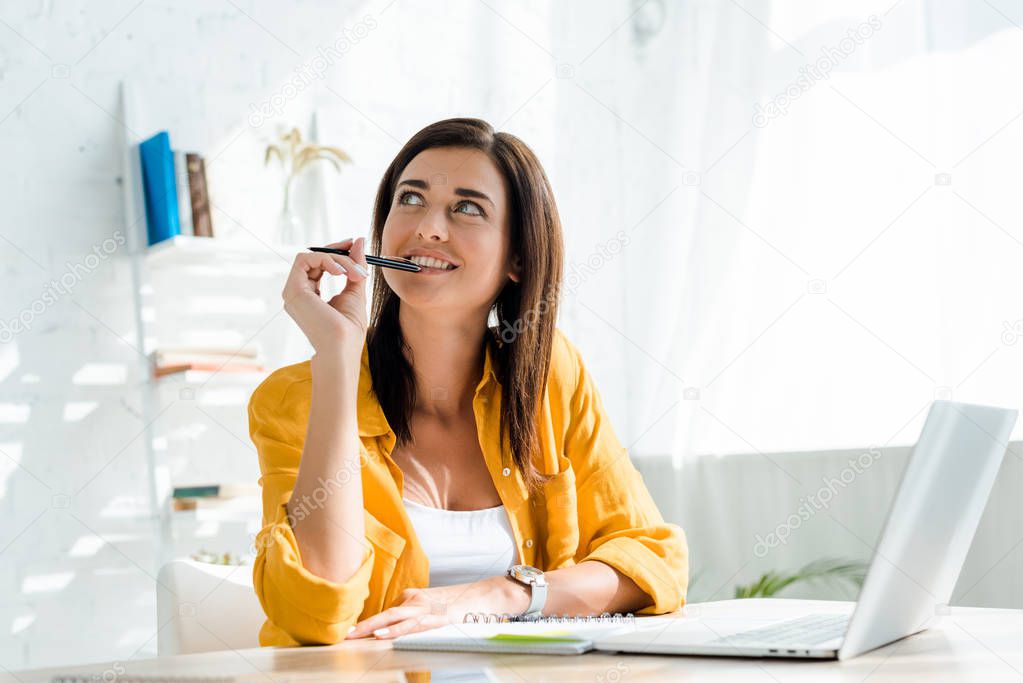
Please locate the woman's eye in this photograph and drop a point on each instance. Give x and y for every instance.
(474, 209)
(410, 195)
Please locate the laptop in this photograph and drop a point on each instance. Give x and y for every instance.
(930, 527)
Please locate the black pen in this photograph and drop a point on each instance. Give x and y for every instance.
(383, 262)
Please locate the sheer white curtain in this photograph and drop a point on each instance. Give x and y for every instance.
(808, 276)
(802, 277)
(644, 116)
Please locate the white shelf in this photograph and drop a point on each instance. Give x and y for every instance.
(183, 251)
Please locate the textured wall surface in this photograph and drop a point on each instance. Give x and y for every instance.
(77, 550)
(77, 554)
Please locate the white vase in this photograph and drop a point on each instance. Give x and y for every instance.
(290, 228)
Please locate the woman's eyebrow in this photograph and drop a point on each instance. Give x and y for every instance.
(465, 192)
(460, 191)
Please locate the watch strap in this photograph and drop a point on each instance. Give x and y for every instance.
(534, 578)
(538, 597)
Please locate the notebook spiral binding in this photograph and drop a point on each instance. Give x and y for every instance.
(108, 677)
(492, 618)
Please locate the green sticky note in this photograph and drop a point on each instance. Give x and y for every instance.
(545, 637)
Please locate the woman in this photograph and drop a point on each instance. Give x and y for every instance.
(419, 456)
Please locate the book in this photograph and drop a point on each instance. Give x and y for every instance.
(164, 370)
(547, 635)
(172, 358)
(184, 196)
(159, 188)
(211, 496)
(247, 351)
(216, 491)
(202, 222)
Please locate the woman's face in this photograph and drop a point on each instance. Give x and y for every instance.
(451, 202)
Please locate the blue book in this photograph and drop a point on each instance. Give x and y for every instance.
(159, 188)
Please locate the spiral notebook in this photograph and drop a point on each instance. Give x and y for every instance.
(554, 635)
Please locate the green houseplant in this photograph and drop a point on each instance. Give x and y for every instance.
(773, 582)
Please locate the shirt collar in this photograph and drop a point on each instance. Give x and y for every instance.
(372, 421)
(489, 368)
(371, 416)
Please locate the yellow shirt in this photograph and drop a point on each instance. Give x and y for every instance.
(595, 507)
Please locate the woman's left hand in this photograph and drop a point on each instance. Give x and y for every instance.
(420, 609)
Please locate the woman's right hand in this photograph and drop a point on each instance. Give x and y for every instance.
(337, 326)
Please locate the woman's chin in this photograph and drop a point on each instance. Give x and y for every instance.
(439, 300)
(400, 280)
(418, 296)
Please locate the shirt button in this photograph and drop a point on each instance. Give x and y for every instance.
(506, 471)
(529, 543)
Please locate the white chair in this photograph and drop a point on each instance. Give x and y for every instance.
(201, 607)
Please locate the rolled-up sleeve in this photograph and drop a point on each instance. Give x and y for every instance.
(306, 607)
(619, 523)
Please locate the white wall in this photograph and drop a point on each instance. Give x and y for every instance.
(76, 546)
(749, 513)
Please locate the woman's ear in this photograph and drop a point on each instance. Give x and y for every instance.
(515, 274)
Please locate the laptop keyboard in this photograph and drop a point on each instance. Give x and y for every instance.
(808, 630)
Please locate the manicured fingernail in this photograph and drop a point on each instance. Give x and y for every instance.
(350, 629)
(362, 271)
(382, 631)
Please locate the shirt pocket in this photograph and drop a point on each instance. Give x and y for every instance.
(558, 516)
(388, 545)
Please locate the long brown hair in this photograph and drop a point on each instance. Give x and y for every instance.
(526, 311)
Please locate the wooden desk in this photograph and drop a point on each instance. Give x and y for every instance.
(971, 644)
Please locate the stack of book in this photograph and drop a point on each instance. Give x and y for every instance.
(171, 360)
(174, 188)
(212, 495)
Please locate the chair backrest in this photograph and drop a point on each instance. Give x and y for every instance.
(203, 607)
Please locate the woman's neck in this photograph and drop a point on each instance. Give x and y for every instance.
(447, 358)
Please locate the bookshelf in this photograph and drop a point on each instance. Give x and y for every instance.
(190, 290)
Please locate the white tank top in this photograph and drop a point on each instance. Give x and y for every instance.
(463, 545)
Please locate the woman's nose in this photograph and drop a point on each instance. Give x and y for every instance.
(433, 226)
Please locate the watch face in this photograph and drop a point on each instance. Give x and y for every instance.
(525, 571)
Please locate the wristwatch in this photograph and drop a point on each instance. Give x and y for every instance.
(534, 578)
